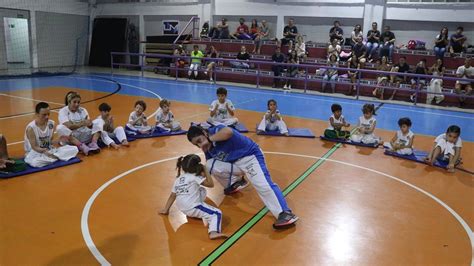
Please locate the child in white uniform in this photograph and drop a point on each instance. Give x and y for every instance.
(39, 140)
(272, 120)
(222, 110)
(366, 126)
(165, 118)
(402, 142)
(336, 124)
(110, 131)
(76, 127)
(189, 194)
(137, 120)
(447, 147)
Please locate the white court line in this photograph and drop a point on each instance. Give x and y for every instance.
(293, 96)
(30, 99)
(103, 261)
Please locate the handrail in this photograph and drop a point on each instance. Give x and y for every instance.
(184, 29)
(294, 65)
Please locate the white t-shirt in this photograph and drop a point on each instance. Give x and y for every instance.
(443, 136)
(301, 49)
(65, 115)
(133, 116)
(43, 137)
(366, 123)
(358, 35)
(162, 118)
(222, 112)
(404, 139)
(340, 121)
(187, 189)
(273, 118)
(467, 73)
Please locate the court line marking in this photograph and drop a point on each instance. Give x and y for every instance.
(103, 261)
(146, 79)
(31, 99)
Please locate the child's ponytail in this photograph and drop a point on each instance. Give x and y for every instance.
(179, 165)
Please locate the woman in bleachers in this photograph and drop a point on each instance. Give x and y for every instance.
(331, 74)
(353, 63)
(373, 39)
(244, 57)
(263, 34)
(382, 78)
(254, 29)
(436, 84)
(300, 47)
(211, 64)
(293, 58)
(334, 49)
(441, 42)
(356, 34)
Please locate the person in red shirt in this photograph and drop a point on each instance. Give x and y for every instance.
(242, 31)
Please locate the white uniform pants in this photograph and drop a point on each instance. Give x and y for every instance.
(404, 151)
(211, 216)
(175, 126)
(118, 133)
(83, 134)
(63, 153)
(226, 173)
(277, 125)
(226, 121)
(365, 138)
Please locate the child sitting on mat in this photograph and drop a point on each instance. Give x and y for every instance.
(447, 147)
(366, 126)
(165, 118)
(402, 142)
(272, 120)
(336, 123)
(8, 165)
(137, 120)
(222, 110)
(39, 140)
(110, 131)
(189, 193)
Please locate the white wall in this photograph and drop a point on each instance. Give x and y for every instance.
(154, 25)
(8, 13)
(57, 6)
(17, 41)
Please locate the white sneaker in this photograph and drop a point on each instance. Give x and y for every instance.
(210, 79)
(289, 87)
(285, 87)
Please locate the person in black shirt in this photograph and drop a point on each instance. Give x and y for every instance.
(457, 41)
(242, 56)
(441, 41)
(387, 43)
(373, 40)
(289, 32)
(277, 57)
(336, 33)
(401, 67)
(422, 70)
(360, 51)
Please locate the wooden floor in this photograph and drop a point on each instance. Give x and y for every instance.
(358, 208)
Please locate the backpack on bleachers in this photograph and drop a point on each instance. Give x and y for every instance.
(416, 45)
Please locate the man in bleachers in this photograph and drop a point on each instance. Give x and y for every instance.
(360, 51)
(373, 40)
(289, 32)
(277, 57)
(221, 31)
(387, 43)
(465, 71)
(457, 41)
(242, 32)
(336, 32)
(401, 67)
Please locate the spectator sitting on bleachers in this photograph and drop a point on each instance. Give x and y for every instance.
(420, 69)
(401, 67)
(289, 32)
(360, 51)
(465, 71)
(277, 57)
(436, 83)
(387, 44)
(254, 29)
(441, 42)
(353, 63)
(300, 47)
(373, 40)
(336, 32)
(242, 31)
(457, 41)
(334, 48)
(356, 33)
(221, 31)
(179, 62)
(263, 34)
(243, 56)
(211, 64)
(331, 74)
(293, 58)
(382, 78)
(205, 30)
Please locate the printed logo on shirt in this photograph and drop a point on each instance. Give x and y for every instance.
(221, 156)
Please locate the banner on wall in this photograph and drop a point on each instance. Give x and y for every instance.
(170, 27)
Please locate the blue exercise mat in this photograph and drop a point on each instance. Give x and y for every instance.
(417, 156)
(154, 134)
(292, 132)
(348, 141)
(30, 170)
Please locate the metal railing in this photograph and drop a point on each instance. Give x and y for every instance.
(195, 30)
(258, 71)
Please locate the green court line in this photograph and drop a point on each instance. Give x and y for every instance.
(214, 255)
(257, 217)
